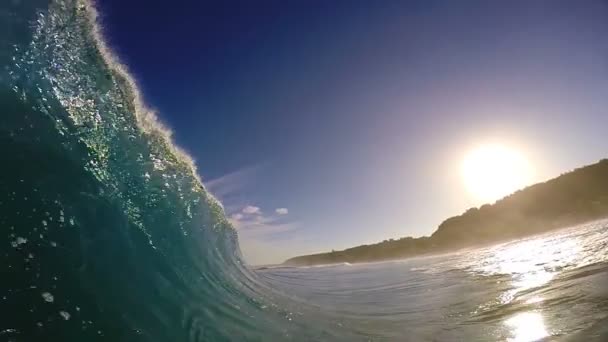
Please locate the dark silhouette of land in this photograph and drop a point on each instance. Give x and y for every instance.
(572, 198)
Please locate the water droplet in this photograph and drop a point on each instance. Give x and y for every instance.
(65, 315)
(19, 241)
(48, 297)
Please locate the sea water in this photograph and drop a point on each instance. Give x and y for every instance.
(547, 287)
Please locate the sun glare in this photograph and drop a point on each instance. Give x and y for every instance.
(491, 172)
(527, 327)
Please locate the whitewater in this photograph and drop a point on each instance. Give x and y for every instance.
(108, 234)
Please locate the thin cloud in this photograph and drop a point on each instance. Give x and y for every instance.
(251, 222)
(251, 210)
(282, 211)
(232, 183)
(258, 230)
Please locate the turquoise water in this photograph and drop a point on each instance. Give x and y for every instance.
(108, 234)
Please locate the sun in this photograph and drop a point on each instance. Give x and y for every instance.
(490, 172)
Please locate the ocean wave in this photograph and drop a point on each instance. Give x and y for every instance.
(112, 234)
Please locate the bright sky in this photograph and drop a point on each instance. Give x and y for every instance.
(327, 124)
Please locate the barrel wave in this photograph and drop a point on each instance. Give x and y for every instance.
(110, 235)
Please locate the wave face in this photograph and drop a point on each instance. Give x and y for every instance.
(109, 234)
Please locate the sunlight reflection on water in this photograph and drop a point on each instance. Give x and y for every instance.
(533, 263)
(526, 327)
(530, 264)
(542, 288)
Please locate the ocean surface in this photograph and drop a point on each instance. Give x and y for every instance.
(548, 287)
(109, 235)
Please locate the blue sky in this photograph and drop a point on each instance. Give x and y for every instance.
(327, 124)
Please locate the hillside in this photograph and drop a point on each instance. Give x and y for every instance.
(572, 198)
